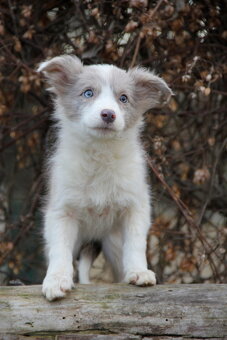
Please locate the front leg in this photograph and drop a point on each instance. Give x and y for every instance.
(136, 226)
(61, 235)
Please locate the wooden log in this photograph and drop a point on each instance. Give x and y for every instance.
(117, 312)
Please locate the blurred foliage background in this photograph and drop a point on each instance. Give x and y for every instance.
(185, 41)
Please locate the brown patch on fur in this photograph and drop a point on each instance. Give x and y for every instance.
(123, 83)
(61, 72)
(150, 90)
(73, 101)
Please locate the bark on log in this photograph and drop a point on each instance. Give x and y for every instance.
(115, 312)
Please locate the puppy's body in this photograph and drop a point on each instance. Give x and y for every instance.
(98, 189)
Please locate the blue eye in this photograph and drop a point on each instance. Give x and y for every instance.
(88, 93)
(123, 98)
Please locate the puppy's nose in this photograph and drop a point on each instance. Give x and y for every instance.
(108, 116)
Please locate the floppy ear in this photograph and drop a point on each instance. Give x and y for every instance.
(61, 72)
(150, 90)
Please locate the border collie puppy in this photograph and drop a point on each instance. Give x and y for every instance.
(97, 173)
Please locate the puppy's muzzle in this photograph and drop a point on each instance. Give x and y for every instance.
(108, 116)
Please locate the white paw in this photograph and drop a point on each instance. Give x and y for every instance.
(56, 285)
(145, 278)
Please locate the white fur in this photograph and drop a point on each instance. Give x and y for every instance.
(98, 190)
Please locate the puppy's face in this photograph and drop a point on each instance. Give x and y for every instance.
(102, 99)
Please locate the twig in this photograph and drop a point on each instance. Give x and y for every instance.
(34, 127)
(136, 51)
(140, 36)
(187, 215)
(211, 182)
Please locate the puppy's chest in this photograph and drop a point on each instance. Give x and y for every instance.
(102, 183)
(100, 190)
(103, 200)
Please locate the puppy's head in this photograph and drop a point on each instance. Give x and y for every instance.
(102, 100)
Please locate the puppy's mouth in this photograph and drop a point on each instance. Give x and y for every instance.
(104, 128)
(105, 131)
